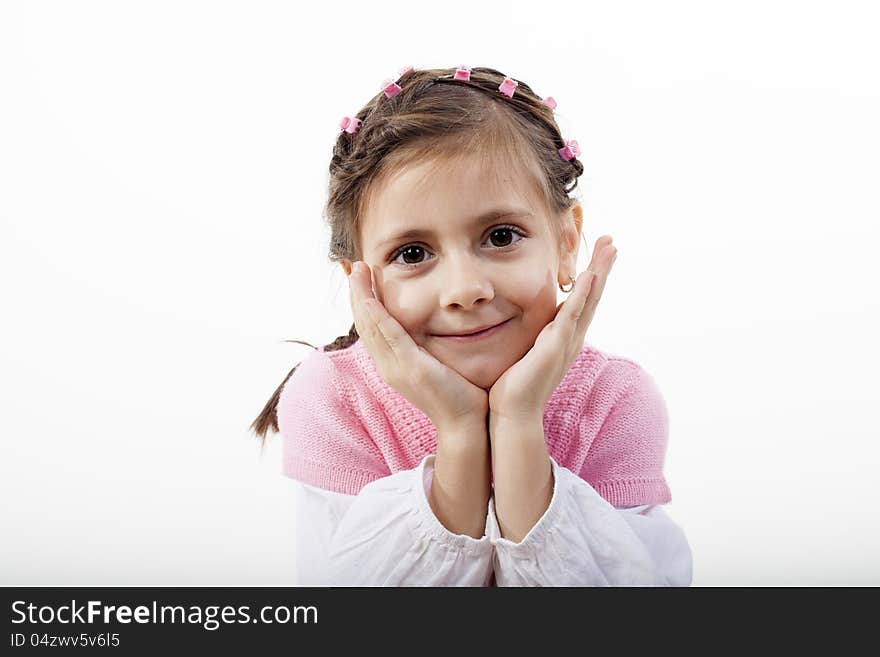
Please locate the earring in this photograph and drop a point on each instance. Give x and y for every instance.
(571, 280)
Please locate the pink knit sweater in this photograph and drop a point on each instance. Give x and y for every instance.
(342, 426)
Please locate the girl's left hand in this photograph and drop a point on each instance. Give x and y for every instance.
(522, 392)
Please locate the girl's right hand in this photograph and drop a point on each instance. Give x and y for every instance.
(445, 396)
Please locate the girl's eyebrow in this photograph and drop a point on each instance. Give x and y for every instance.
(479, 220)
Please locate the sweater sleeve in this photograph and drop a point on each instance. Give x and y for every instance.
(582, 540)
(625, 461)
(323, 441)
(387, 535)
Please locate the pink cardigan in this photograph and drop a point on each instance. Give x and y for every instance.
(342, 426)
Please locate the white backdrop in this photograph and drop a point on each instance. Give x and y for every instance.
(162, 174)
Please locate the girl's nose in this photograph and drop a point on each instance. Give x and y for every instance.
(465, 285)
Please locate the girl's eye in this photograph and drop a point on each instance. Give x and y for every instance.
(506, 234)
(501, 236)
(411, 254)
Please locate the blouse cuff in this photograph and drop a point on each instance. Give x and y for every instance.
(536, 537)
(427, 522)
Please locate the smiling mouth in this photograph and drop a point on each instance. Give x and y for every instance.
(477, 335)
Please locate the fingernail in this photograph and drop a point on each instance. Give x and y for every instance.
(356, 268)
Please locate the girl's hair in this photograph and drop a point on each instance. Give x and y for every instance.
(442, 120)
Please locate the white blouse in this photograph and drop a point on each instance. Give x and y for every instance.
(388, 535)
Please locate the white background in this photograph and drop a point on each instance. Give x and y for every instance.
(162, 173)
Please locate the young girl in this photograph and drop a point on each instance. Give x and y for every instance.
(463, 433)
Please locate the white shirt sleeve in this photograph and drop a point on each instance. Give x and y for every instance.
(582, 540)
(386, 535)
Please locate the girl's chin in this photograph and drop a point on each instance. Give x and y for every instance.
(482, 381)
(481, 364)
(481, 372)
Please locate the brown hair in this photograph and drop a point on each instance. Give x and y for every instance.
(435, 117)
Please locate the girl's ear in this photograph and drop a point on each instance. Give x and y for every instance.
(571, 239)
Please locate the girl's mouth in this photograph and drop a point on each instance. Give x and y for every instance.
(473, 337)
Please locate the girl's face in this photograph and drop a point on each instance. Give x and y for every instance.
(461, 266)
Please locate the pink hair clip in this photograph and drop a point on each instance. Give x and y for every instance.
(390, 88)
(571, 150)
(462, 73)
(550, 102)
(508, 87)
(350, 125)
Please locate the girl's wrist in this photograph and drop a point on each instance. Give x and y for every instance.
(468, 424)
(520, 415)
(516, 410)
(465, 439)
(510, 430)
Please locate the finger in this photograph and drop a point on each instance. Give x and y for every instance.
(603, 268)
(361, 280)
(604, 262)
(577, 301)
(354, 296)
(361, 292)
(393, 336)
(575, 305)
(597, 260)
(601, 243)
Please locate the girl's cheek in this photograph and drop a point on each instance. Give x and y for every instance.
(410, 309)
(534, 292)
(399, 296)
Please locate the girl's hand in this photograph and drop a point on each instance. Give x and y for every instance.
(522, 392)
(447, 398)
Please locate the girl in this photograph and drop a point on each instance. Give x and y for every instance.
(463, 433)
